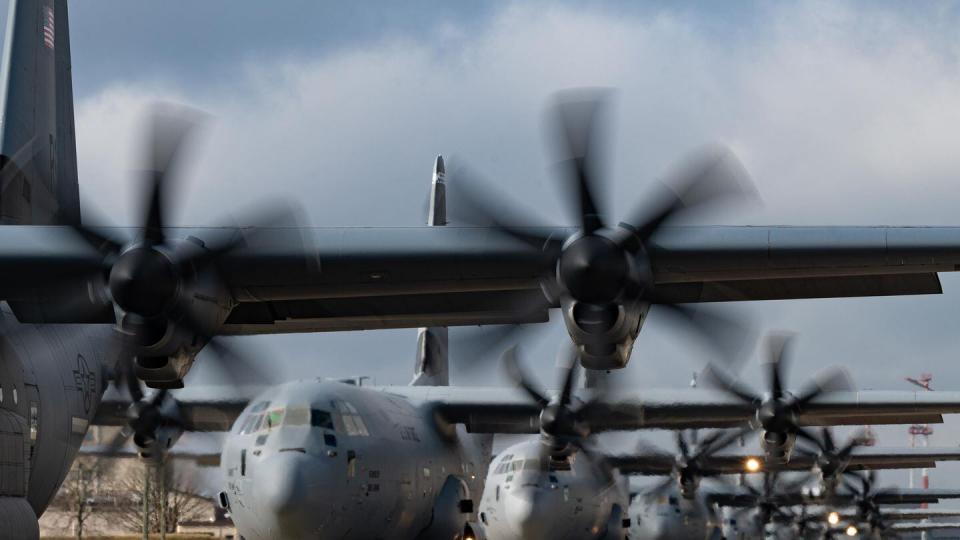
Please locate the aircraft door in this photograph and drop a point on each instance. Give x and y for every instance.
(13, 466)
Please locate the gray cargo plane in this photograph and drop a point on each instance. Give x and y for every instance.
(531, 495)
(411, 461)
(144, 301)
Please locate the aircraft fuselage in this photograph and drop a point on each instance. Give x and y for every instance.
(318, 459)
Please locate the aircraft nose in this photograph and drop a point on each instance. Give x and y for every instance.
(283, 484)
(528, 515)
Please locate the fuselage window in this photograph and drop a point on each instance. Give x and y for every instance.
(330, 439)
(1, 393)
(34, 421)
(321, 419)
(243, 462)
(297, 417)
(498, 493)
(16, 399)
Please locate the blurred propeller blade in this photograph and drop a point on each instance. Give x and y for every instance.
(715, 377)
(707, 177)
(168, 132)
(834, 379)
(516, 373)
(577, 119)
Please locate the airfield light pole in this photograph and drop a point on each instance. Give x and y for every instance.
(923, 431)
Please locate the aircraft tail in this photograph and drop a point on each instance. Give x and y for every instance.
(38, 149)
(433, 363)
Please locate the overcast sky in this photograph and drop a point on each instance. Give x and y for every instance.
(844, 113)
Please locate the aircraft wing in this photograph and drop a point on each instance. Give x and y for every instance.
(207, 457)
(863, 458)
(509, 410)
(914, 495)
(740, 498)
(367, 278)
(198, 407)
(892, 514)
(925, 526)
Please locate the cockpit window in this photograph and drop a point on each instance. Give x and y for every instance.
(299, 416)
(274, 418)
(242, 427)
(321, 419)
(251, 424)
(260, 407)
(352, 422)
(531, 464)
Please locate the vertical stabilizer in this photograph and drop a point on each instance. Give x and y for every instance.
(38, 149)
(433, 364)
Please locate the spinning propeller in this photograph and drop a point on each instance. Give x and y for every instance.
(831, 460)
(778, 410)
(603, 273)
(563, 429)
(165, 292)
(692, 459)
(868, 510)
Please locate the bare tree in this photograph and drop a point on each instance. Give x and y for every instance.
(159, 499)
(76, 497)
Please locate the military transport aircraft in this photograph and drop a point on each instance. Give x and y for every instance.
(396, 458)
(769, 512)
(163, 293)
(411, 461)
(558, 486)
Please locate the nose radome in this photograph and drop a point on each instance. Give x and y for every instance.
(528, 515)
(283, 483)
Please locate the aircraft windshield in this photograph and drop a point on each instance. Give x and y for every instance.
(275, 418)
(297, 416)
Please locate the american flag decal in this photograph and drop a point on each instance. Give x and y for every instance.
(48, 33)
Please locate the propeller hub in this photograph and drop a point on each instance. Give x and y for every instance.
(557, 421)
(143, 281)
(777, 415)
(593, 269)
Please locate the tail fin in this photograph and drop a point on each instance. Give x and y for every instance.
(38, 149)
(433, 364)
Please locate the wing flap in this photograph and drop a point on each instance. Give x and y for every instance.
(800, 288)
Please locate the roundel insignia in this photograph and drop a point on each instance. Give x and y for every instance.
(85, 382)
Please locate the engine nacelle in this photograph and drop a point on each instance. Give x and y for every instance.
(604, 335)
(169, 343)
(778, 446)
(687, 484)
(156, 446)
